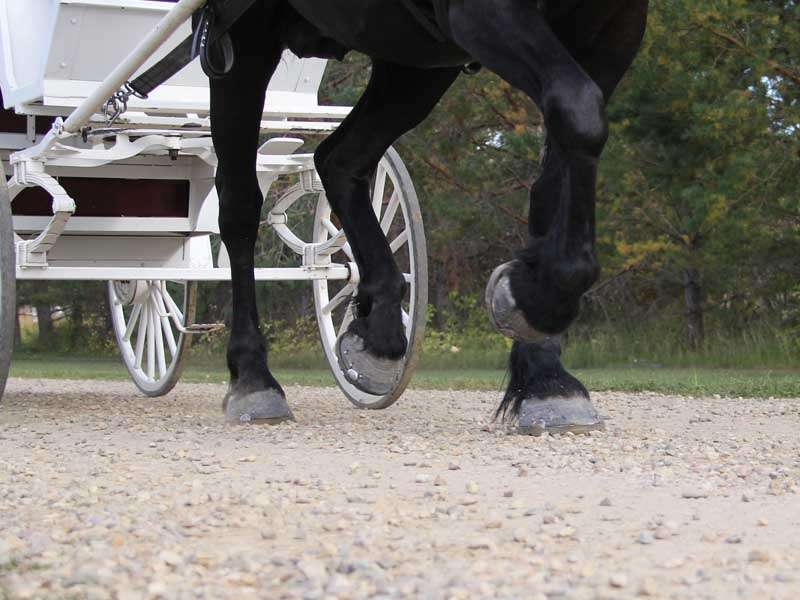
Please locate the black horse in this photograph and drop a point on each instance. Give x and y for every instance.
(567, 56)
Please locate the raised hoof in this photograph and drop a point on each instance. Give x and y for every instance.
(504, 314)
(367, 372)
(575, 414)
(266, 407)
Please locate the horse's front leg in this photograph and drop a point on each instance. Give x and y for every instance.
(570, 69)
(237, 104)
(396, 100)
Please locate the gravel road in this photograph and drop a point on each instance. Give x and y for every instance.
(104, 494)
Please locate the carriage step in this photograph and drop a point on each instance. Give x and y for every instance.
(200, 329)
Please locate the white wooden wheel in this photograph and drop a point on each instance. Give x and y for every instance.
(333, 300)
(146, 315)
(8, 305)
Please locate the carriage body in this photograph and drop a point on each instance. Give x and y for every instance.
(134, 203)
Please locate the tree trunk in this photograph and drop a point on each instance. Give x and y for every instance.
(17, 332)
(693, 298)
(44, 317)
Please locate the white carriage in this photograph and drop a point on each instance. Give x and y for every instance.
(134, 203)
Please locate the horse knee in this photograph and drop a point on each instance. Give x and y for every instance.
(576, 118)
(240, 204)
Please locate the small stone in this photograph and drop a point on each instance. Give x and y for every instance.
(758, 556)
(173, 559)
(618, 580)
(453, 467)
(508, 494)
(647, 587)
(605, 502)
(422, 478)
(646, 538)
(748, 497)
(733, 539)
(313, 569)
(481, 544)
(695, 493)
(549, 519)
(522, 472)
(472, 488)
(762, 522)
(663, 533)
(439, 481)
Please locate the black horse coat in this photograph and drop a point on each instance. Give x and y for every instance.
(413, 32)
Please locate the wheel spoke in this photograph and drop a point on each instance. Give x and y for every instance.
(391, 211)
(151, 344)
(332, 229)
(408, 277)
(173, 308)
(380, 188)
(399, 241)
(347, 319)
(406, 318)
(165, 324)
(345, 293)
(159, 339)
(348, 251)
(141, 335)
(137, 310)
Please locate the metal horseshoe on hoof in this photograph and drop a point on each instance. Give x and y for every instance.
(574, 414)
(369, 373)
(504, 314)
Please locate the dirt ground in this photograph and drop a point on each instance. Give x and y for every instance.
(105, 494)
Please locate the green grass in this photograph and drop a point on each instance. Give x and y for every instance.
(684, 381)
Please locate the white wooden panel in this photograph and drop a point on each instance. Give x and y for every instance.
(55, 52)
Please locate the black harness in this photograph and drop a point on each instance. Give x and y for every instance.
(211, 41)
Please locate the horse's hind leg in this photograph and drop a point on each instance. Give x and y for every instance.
(396, 100)
(571, 77)
(237, 104)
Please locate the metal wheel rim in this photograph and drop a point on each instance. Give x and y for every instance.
(393, 169)
(154, 371)
(8, 306)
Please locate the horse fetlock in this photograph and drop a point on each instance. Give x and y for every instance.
(576, 273)
(525, 303)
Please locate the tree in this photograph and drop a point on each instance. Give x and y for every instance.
(700, 180)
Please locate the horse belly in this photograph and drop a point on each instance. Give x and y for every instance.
(383, 29)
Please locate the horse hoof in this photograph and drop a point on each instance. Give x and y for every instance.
(367, 372)
(503, 312)
(574, 414)
(266, 407)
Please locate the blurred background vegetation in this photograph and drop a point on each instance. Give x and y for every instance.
(698, 211)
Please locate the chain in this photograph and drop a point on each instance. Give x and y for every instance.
(117, 105)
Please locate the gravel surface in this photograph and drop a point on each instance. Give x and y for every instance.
(104, 494)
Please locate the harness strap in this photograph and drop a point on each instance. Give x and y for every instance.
(209, 40)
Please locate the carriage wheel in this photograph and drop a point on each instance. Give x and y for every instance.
(8, 305)
(144, 315)
(333, 300)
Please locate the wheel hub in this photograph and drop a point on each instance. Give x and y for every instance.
(131, 292)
